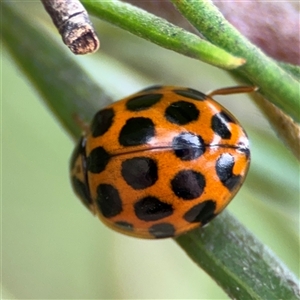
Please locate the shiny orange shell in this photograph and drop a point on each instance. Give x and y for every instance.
(161, 162)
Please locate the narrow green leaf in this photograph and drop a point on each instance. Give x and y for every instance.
(259, 69)
(239, 263)
(161, 32)
(69, 91)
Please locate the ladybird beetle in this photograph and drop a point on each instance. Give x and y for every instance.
(161, 162)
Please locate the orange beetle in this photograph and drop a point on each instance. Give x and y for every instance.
(161, 162)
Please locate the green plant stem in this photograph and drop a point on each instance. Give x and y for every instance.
(161, 32)
(291, 69)
(239, 263)
(274, 83)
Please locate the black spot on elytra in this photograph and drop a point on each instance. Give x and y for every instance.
(202, 212)
(82, 191)
(102, 122)
(108, 200)
(143, 102)
(152, 209)
(188, 184)
(97, 160)
(137, 131)
(219, 124)
(188, 146)
(190, 93)
(182, 112)
(162, 230)
(152, 88)
(244, 149)
(224, 167)
(124, 225)
(139, 172)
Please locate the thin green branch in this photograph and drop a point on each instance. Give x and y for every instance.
(161, 32)
(239, 263)
(291, 69)
(274, 83)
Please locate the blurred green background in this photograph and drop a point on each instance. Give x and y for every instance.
(53, 248)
